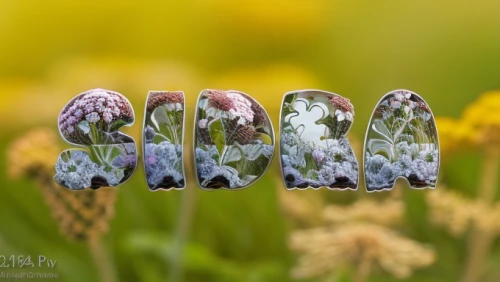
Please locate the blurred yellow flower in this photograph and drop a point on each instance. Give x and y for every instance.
(82, 215)
(447, 130)
(329, 248)
(483, 118)
(34, 153)
(275, 21)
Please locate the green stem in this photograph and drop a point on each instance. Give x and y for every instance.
(102, 260)
(481, 241)
(186, 211)
(363, 269)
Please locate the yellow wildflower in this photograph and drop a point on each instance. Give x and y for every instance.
(448, 138)
(36, 152)
(483, 119)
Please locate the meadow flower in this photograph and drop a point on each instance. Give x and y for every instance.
(163, 165)
(158, 98)
(341, 103)
(450, 210)
(318, 156)
(402, 96)
(93, 117)
(478, 127)
(326, 249)
(219, 100)
(241, 107)
(387, 213)
(458, 214)
(98, 106)
(81, 216)
(484, 121)
(33, 153)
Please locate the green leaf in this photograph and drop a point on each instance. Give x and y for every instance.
(381, 147)
(252, 151)
(161, 121)
(232, 154)
(266, 139)
(217, 135)
(380, 127)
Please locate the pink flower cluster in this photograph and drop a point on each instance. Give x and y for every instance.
(94, 106)
(242, 107)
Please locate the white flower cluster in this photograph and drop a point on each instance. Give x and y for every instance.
(164, 161)
(336, 165)
(79, 170)
(418, 167)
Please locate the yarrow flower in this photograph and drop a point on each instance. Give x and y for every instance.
(94, 106)
(402, 96)
(327, 249)
(242, 107)
(341, 103)
(159, 98)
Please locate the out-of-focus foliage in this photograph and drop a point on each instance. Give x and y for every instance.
(446, 51)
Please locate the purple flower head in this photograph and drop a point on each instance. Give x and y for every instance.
(100, 107)
(318, 156)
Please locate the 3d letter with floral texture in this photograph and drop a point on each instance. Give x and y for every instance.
(234, 140)
(401, 141)
(163, 133)
(92, 120)
(315, 151)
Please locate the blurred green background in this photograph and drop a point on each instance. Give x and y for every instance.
(447, 51)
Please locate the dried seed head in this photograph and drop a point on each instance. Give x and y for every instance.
(245, 134)
(159, 98)
(341, 103)
(219, 99)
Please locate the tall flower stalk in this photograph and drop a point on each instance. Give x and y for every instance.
(83, 215)
(478, 128)
(481, 240)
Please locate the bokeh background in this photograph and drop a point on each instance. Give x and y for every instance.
(447, 51)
